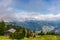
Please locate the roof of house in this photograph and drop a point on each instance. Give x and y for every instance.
(12, 30)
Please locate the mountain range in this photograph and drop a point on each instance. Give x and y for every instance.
(40, 25)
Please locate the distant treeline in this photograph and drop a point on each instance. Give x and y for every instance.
(48, 33)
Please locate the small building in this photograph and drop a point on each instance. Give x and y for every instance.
(7, 33)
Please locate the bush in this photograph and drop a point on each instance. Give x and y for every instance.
(51, 33)
(41, 33)
(17, 35)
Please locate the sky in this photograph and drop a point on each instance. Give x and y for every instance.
(22, 10)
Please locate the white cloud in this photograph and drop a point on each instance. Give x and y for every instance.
(6, 10)
(25, 16)
(8, 13)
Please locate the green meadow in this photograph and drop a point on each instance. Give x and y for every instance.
(44, 37)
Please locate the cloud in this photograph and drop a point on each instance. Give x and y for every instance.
(23, 16)
(10, 10)
(6, 10)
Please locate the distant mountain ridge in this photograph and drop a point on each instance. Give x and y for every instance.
(38, 25)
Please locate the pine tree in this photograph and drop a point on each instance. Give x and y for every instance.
(2, 28)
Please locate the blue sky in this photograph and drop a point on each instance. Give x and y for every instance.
(22, 10)
(42, 6)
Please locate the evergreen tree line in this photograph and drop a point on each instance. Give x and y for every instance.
(48, 33)
(20, 31)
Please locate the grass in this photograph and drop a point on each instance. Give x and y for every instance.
(44, 37)
(5, 38)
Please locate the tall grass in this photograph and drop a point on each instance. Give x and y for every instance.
(44, 37)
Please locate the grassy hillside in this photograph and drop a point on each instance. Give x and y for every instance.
(4, 38)
(45, 37)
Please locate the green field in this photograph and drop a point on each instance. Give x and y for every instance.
(45, 37)
(4, 38)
